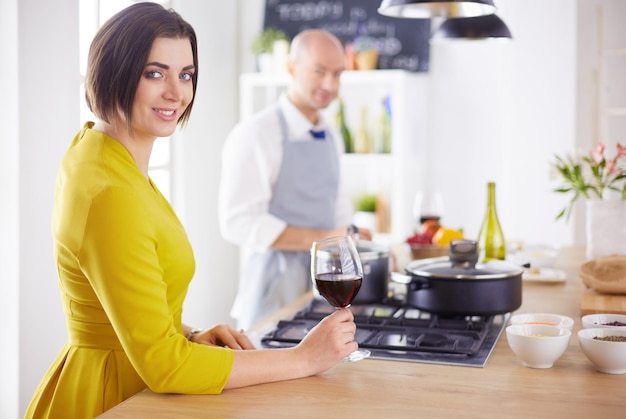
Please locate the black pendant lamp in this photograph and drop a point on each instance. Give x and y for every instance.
(473, 28)
(426, 9)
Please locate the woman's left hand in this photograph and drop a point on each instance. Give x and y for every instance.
(223, 335)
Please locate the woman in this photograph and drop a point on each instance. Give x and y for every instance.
(123, 258)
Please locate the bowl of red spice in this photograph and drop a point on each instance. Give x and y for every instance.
(549, 319)
(591, 321)
(605, 348)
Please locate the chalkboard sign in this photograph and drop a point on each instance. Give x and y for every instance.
(401, 43)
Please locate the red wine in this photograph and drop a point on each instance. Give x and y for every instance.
(338, 289)
(425, 218)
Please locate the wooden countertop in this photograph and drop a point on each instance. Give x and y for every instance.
(379, 388)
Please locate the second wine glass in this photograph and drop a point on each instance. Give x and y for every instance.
(337, 275)
(427, 206)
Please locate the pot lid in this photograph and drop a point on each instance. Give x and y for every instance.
(442, 267)
(370, 251)
(462, 264)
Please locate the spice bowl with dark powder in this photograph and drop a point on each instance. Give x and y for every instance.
(605, 347)
(608, 320)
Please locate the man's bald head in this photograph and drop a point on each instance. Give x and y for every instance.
(303, 42)
(315, 64)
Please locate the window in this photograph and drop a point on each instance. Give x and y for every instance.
(92, 14)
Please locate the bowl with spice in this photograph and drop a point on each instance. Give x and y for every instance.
(538, 345)
(548, 319)
(605, 348)
(591, 321)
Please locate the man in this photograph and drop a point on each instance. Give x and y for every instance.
(280, 186)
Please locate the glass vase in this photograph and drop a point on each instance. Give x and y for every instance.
(605, 228)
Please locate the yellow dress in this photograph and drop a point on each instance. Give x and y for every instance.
(124, 265)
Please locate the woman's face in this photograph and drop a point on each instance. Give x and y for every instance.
(164, 90)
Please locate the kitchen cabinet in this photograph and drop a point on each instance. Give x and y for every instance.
(394, 177)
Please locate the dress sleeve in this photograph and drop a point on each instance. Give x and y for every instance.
(120, 256)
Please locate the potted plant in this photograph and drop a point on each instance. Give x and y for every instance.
(365, 215)
(592, 176)
(601, 181)
(270, 46)
(366, 53)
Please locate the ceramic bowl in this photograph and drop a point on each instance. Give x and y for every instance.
(592, 321)
(538, 345)
(547, 319)
(539, 256)
(608, 357)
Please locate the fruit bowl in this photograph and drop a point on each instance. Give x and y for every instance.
(432, 240)
(424, 251)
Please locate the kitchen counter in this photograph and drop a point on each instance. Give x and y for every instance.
(379, 388)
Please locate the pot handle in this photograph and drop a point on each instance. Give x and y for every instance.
(401, 278)
(412, 282)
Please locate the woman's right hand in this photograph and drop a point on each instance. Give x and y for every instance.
(329, 341)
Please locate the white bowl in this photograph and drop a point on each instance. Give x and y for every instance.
(547, 319)
(538, 345)
(608, 357)
(592, 321)
(539, 256)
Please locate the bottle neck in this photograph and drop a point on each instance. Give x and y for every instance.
(491, 197)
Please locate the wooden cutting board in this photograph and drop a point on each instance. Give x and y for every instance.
(593, 303)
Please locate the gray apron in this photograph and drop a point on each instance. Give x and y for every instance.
(305, 195)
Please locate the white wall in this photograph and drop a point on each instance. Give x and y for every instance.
(499, 110)
(212, 291)
(46, 117)
(9, 210)
(44, 81)
(529, 115)
(542, 116)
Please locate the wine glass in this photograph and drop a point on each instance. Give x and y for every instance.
(337, 275)
(427, 206)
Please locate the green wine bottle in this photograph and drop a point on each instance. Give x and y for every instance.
(362, 140)
(491, 243)
(343, 128)
(382, 129)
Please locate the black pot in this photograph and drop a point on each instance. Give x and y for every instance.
(457, 285)
(375, 261)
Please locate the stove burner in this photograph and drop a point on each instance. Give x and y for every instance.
(431, 340)
(396, 332)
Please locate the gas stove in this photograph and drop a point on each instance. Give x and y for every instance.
(392, 330)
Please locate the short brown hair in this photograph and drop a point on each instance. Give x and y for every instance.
(119, 52)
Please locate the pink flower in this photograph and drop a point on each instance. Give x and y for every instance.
(597, 155)
(592, 175)
(611, 167)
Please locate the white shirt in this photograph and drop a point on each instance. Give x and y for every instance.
(251, 160)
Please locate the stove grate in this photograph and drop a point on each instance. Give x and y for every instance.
(393, 331)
